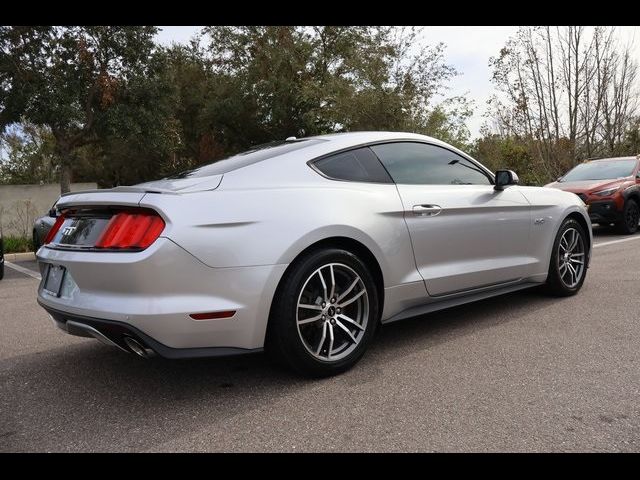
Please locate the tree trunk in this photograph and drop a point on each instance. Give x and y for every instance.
(65, 176)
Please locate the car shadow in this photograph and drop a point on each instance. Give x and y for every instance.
(607, 231)
(119, 397)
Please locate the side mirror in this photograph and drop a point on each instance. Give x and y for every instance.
(504, 178)
(53, 213)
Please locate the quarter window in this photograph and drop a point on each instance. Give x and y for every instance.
(424, 164)
(359, 165)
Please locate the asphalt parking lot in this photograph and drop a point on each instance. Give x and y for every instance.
(521, 372)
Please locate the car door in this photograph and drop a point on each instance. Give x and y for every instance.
(465, 234)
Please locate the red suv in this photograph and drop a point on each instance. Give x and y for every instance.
(611, 189)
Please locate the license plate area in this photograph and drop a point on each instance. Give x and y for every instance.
(53, 280)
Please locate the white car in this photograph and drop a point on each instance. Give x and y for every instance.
(303, 247)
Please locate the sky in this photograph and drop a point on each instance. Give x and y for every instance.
(468, 49)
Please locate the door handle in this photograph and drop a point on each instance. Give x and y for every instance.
(426, 210)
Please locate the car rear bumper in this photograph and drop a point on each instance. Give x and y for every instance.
(150, 295)
(114, 333)
(604, 212)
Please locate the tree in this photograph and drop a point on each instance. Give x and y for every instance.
(567, 93)
(67, 78)
(119, 110)
(30, 155)
(286, 80)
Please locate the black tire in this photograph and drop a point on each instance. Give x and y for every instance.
(1, 270)
(556, 285)
(284, 336)
(630, 217)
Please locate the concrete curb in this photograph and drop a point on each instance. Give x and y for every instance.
(19, 257)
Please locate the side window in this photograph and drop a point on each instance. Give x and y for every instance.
(420, 163)
(359, 165)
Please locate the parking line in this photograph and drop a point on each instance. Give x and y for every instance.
(603, 244)
(26, 271)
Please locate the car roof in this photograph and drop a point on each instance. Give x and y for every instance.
(334, 142)
(346, 139)
(611, 159)
(291, 167)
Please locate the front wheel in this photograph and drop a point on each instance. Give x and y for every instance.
(630, 218)
(324, 314)
(568, 265)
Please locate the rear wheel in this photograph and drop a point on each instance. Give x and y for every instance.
(568, 265)
(325, 313)
(630, 217)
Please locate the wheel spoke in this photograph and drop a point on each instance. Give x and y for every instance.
(324, 285)
(309, 320)
(563, 243)
(330, 341)
(309, 306)
(346, 330)
(573, 260)
(573, 273)
(574, 240)
(346, 292)
(352, 299)
(350, 320)
(577, 255)
(563, 269)
(333, 282)
(322, 339)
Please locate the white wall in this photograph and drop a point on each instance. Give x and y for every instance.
(20, 205)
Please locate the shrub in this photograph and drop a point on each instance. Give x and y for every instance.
(14, 244)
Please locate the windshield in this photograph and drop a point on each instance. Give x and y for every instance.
(610, 169)
(254, 155)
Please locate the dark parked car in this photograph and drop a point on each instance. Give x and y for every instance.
(42, 226)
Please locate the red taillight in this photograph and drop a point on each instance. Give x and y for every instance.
(54, 229)
(131, 230)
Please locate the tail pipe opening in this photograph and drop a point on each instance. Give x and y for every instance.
(138, 348)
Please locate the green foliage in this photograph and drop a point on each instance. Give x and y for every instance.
(116, 109)
(29, 155)
(309, 80)
(497, 153)
(17, 244)
(67, 78)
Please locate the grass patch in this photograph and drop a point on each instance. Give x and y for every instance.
(17, 244)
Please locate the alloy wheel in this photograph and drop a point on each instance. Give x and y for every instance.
(332, 312)
(571, 257)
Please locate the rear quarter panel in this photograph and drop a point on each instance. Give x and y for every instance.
(267, 226)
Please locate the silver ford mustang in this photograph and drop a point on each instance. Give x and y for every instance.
(303, 247)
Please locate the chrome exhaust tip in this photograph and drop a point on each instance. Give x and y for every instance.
(136, 347)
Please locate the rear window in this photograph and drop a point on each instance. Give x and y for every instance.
(359, 165)
(254, 155)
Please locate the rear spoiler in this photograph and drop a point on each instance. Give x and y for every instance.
(131, 189)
